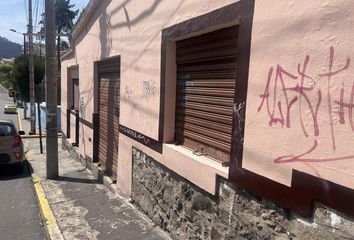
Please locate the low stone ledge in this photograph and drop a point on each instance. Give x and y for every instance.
(188, 212)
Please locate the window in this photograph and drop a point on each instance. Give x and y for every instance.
(7, 130)
(206, 79)
(76, 94)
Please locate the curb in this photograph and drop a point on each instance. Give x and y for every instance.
(19, 120)
(50, 224)
(37, 136)
(49, 221)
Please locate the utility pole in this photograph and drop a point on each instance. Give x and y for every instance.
(24, 44)
(39, 98)
(24, 53)
(31, 69)
(51, 92)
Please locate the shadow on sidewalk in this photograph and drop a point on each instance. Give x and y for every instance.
(11, 173)
(76, 180)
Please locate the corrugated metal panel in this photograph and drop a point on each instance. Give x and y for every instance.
(108, 98)
(206, 80)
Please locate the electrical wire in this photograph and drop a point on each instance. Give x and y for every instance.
(26, 11)
(42, 8)
(40, 14)
(36, 3)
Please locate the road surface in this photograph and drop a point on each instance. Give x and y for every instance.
(19, 212)
(4, 99)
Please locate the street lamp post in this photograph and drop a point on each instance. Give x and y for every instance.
(31, 69)
(31, 74)
(24, 53)
(24, 39)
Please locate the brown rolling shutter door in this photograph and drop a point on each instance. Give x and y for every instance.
(206, 79)
(108, 97)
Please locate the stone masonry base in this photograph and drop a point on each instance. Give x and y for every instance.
(188, 212)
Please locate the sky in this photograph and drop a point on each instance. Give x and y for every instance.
(13, 15)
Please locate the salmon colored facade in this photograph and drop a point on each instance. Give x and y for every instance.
(297, 87)
(300, 91)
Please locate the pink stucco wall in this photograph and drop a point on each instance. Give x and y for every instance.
(298, 116)
(133, 31)
(300, 91)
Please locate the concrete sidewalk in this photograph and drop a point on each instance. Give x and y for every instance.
(85, 209)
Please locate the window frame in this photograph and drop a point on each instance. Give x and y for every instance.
(213, 143)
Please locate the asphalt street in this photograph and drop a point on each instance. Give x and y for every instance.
(4, 99)
(19, 212)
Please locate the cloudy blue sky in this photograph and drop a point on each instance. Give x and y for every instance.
(13, 15)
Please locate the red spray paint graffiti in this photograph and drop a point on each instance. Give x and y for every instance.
(288, 93)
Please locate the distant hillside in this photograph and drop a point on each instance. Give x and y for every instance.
(9, 49)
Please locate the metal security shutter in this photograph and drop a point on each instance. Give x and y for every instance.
(206, 79)
(108, 108)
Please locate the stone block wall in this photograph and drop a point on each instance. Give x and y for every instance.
(188, 212)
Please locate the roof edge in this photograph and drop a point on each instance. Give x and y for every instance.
(91, 6)
(88, 11)
(67, 54)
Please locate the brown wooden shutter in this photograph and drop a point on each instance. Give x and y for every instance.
(108, 99)
(206, 79)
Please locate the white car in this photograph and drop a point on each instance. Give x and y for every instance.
(11, 147)
(10, 108)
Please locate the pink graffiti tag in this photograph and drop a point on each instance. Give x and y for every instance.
(289, 92)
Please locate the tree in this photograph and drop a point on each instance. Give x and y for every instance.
(20, 73)
(64, 45)
(64, 20)
(5, 76)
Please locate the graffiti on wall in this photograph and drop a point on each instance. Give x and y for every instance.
(149, 88)
(134, 134)
(290, 92)
(82, 107)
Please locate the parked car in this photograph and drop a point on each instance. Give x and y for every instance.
(11, 146)
(10, 108)
(11, 93)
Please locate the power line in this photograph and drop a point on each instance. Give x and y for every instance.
(39, 14)
(35, 14)
(25, 1)
(42, 8)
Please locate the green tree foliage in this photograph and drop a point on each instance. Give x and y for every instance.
(5, 76)
(64, 20)
(20, 75)
(5, 68)
(64, 45)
